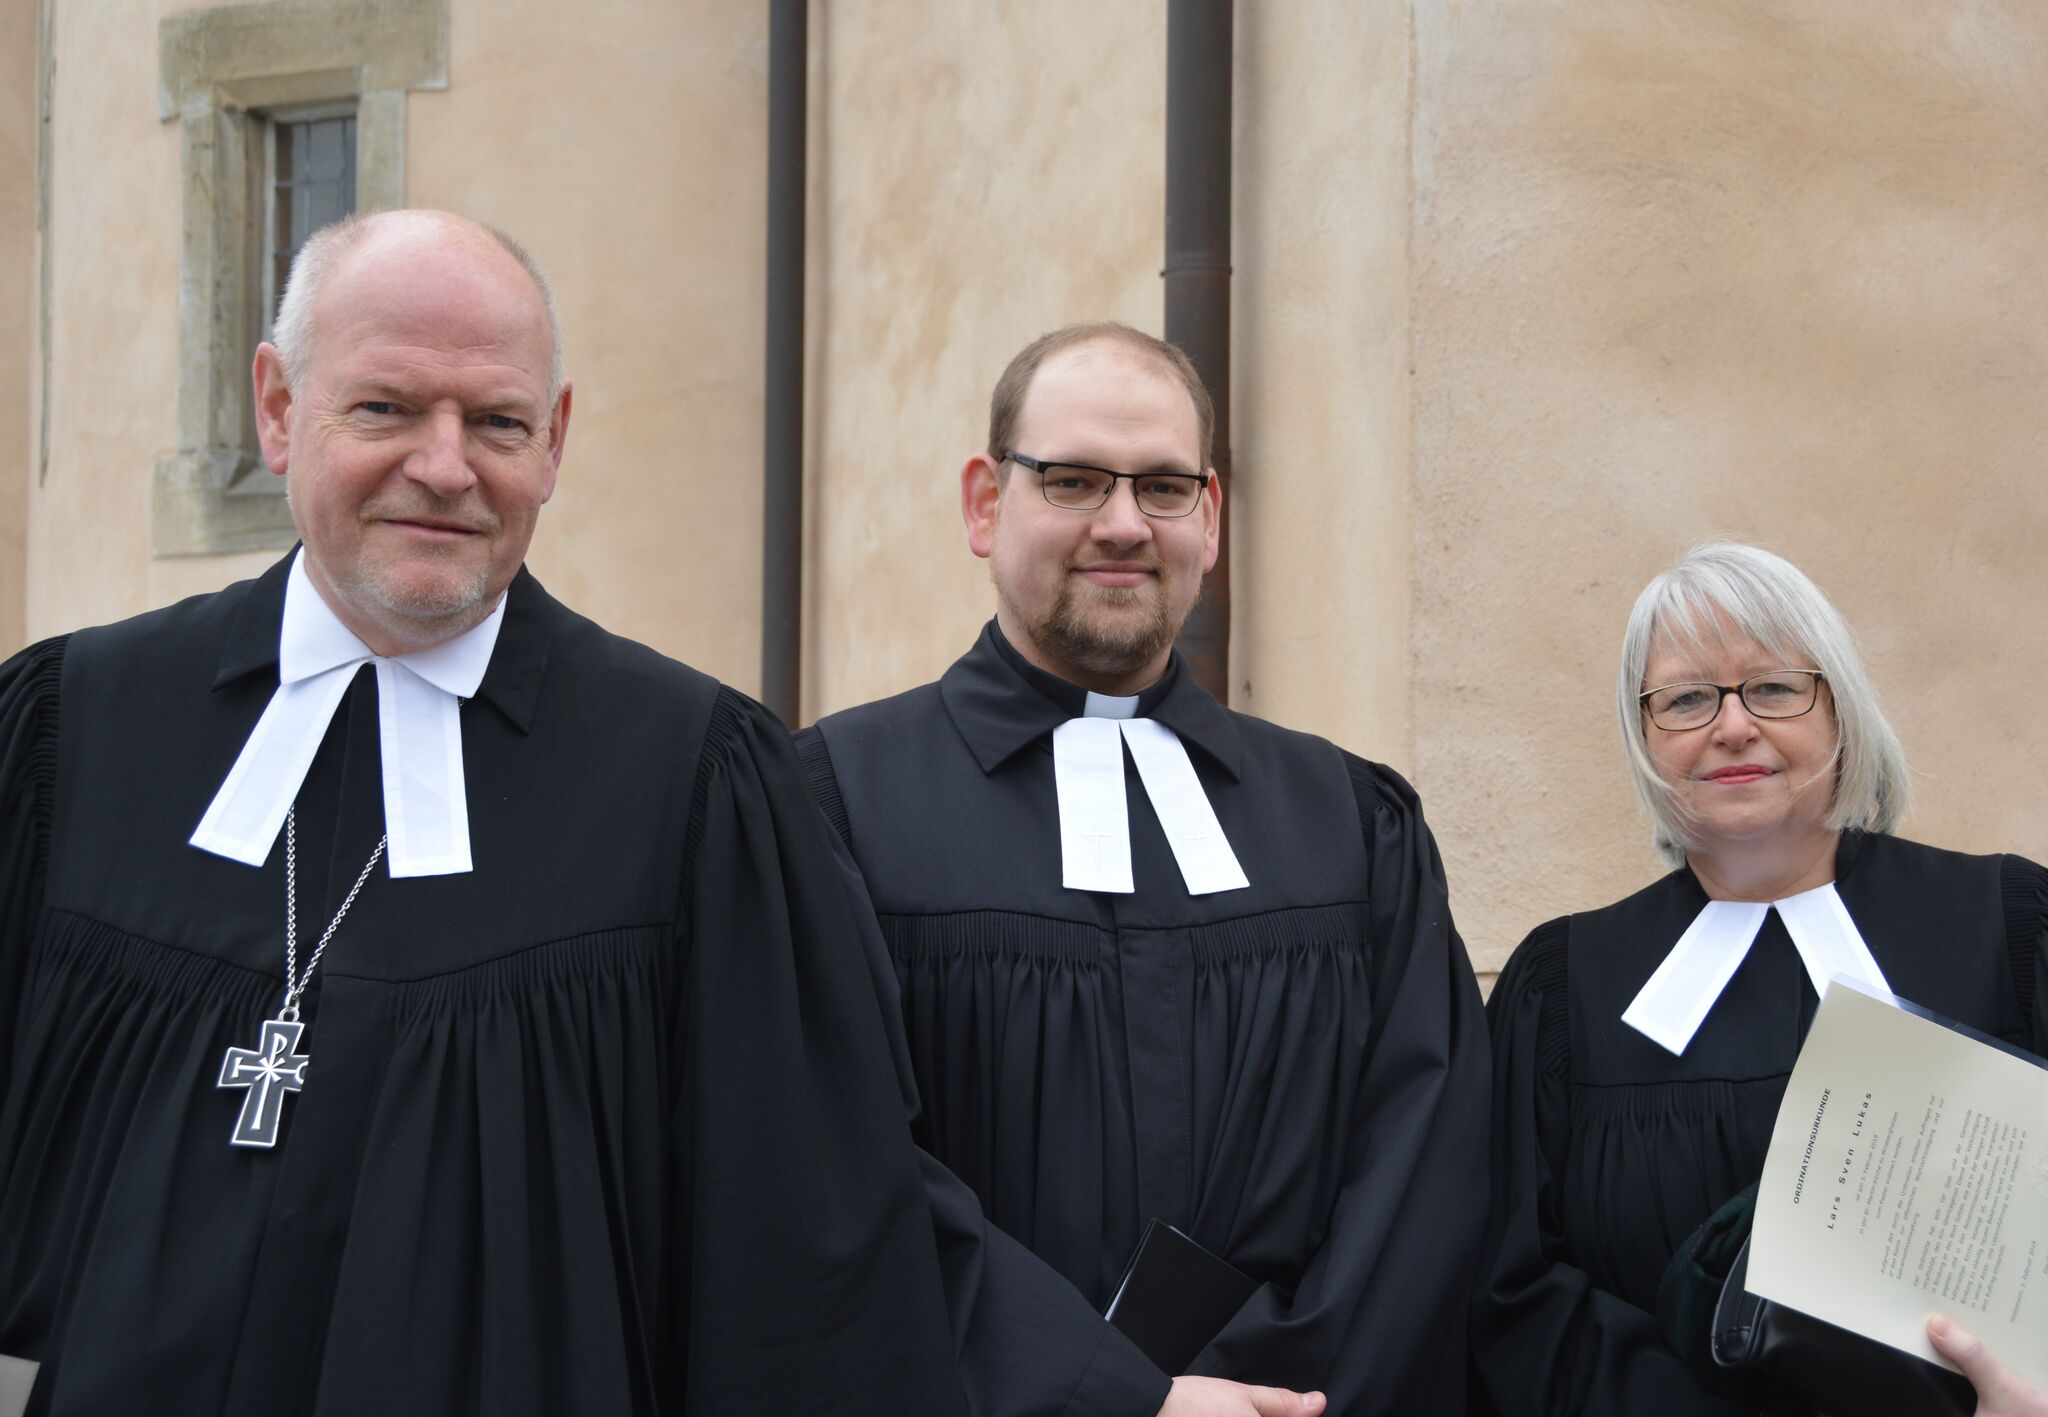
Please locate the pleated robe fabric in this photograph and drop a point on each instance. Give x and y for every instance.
(1609, 1151)
(606, 1126)
(1294, 1074)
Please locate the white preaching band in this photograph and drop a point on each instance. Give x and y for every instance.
(1095, 825)
(419, 700)
(1676, 1000)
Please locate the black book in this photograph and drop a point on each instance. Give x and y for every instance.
(1175, 1296)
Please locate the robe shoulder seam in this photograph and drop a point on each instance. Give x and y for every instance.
(1542, 965)
(521, 957)
(721, 735)
(1100, 928)
(976, 912)
(41, 689)
(89, 933)
(1676, 1084)
(1367, 787)
(823, 781)
(922, 700)
(2024, 890)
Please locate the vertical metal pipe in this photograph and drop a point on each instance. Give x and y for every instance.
(1197, 274)
(782, 440)
(46, 85)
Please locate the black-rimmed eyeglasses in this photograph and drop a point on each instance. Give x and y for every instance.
(1781, 693)
(1080, 488)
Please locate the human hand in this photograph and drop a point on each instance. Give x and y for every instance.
(1218, 1397)
(1999, 1392)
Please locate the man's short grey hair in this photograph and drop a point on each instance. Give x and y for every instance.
(323, 251)
(1724, 586)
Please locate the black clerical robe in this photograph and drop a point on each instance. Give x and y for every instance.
(606, 1126)
(1292, 1073)
(1609, 1151)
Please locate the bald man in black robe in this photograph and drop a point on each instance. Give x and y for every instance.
(414, 999)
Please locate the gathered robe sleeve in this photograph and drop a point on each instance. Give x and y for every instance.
(28, 784)
(1030, 1344)
(1545, 1338)
(1378, 1320)
(800, 1224)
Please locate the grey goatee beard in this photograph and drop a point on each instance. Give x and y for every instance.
(424, 605)
(420, 605)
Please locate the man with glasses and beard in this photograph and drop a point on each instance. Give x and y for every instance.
(1156, 961)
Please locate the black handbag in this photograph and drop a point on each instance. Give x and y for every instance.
(1768, 1346)
(1781, 1360)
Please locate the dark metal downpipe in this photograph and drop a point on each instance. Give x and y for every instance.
(1198, 73)
(782, 432)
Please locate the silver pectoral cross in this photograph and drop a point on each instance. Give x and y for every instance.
(268, 1071)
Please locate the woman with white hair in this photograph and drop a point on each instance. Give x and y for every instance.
(1625, 1116)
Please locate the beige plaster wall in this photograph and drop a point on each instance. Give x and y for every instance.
(1707, 268)
(114, 329)
(18, 138)
(624, 143)
(1319, 371)
(989, 172)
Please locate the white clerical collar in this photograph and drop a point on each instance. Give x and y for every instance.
(426, 807)
(1110, 706)
(1678, 997)
(1095, 823)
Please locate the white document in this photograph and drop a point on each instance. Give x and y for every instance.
(17, 1383)
(1908, 1175)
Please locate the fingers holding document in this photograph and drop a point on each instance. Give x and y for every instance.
(1999, 1392)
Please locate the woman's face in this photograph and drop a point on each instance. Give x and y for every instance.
(1743, 778)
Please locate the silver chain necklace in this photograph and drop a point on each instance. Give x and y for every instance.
(272, 1068)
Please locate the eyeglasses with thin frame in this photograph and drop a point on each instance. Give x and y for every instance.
(1776, 693)
(1078, 487)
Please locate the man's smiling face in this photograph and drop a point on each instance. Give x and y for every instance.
(419, 443)
(1095, 597)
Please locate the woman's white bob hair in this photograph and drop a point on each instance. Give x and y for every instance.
(1723, 587)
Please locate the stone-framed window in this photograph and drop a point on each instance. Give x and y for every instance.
(241, 79)
(310, 155)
